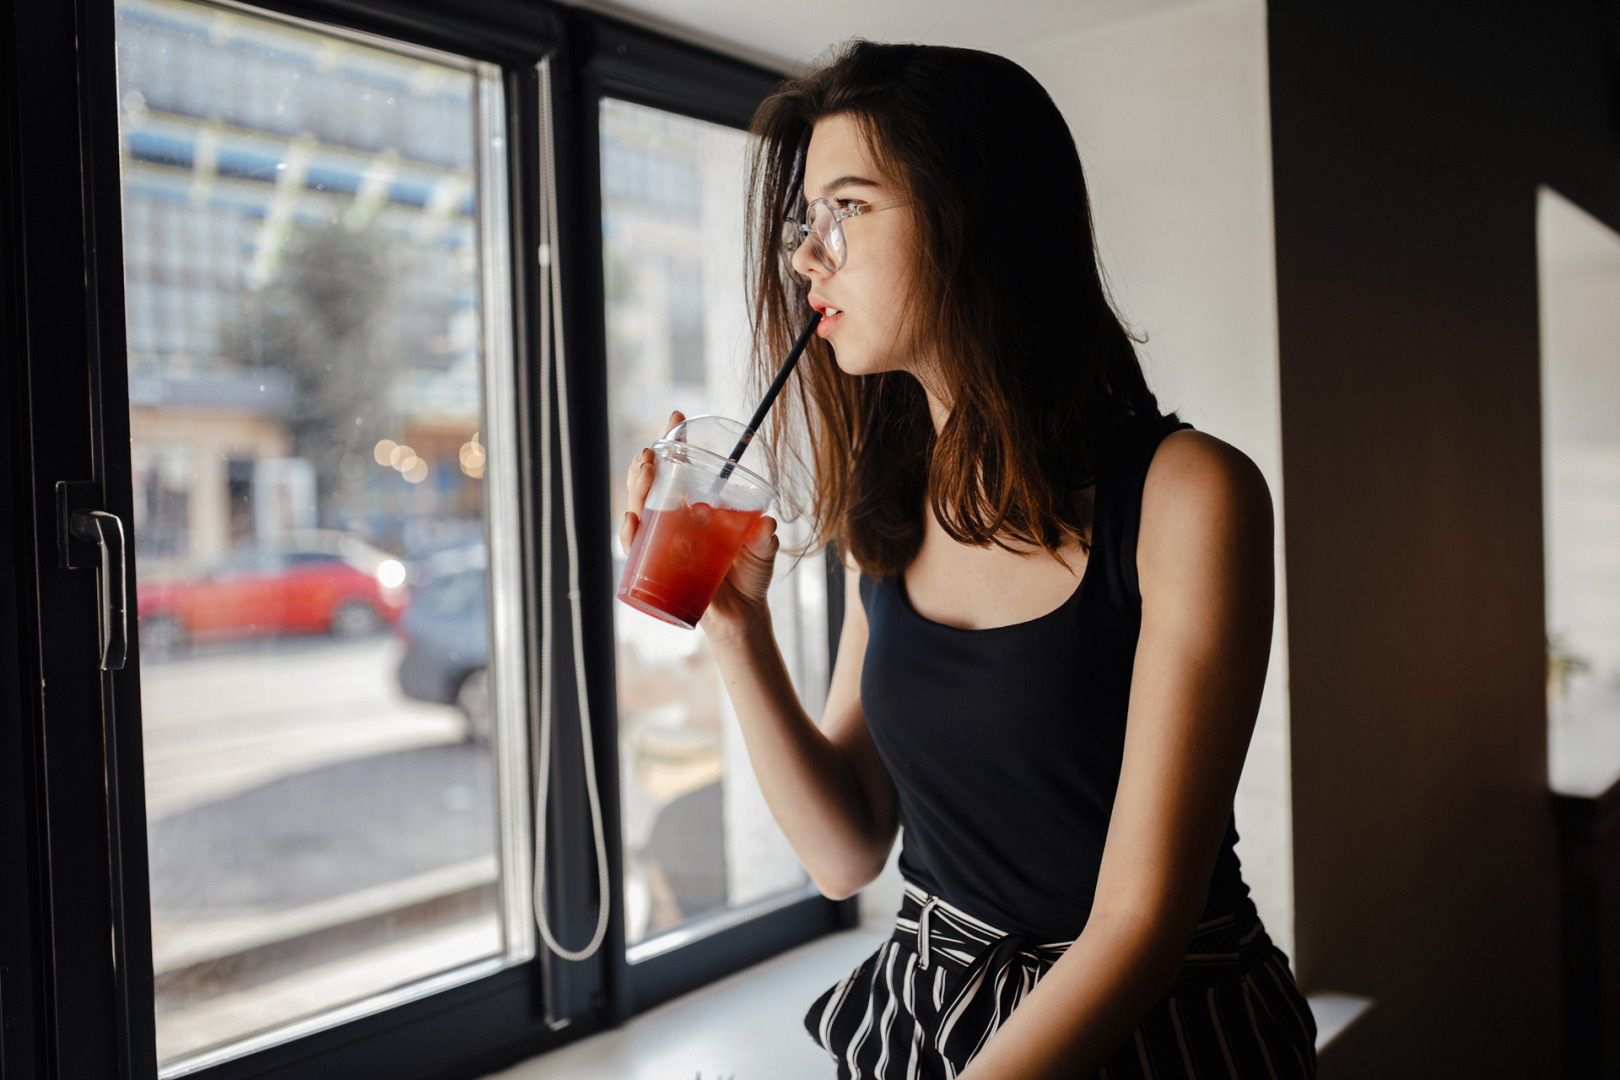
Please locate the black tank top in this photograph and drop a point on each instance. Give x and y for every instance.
(1005, 744)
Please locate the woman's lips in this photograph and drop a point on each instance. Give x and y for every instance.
(829, 320)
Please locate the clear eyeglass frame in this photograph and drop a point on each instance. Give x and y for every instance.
(823, 225)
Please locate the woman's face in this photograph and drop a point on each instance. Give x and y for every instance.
(864, 305)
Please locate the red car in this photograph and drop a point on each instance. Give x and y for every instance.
(346, 588)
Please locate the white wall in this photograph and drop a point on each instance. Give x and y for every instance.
(778, 37)
(1171, 114)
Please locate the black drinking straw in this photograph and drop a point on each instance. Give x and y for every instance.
(770, 396)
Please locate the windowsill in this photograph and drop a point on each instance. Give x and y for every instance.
(1334, 1014)
(751, 1024)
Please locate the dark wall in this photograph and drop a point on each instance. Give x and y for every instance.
(1408, 142)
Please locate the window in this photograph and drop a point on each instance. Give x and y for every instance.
(332, 818)
(699, 841)
(1580, 408)
(320, 305)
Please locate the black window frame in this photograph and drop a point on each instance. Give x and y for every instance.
(72, 801)
(624, 62)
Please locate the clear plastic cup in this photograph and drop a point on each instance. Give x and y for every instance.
(697, 516)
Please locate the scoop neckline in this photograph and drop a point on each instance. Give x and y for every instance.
(1072, 598)
(905, 602)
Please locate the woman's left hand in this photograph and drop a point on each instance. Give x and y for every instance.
(739, 605)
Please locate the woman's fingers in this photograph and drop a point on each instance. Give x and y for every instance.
(751, 573)
(640, 466)
(748, 581)
(638, 482)
(762, 537)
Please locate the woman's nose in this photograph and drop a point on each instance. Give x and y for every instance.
(804, 260)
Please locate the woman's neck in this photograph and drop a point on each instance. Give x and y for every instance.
(938, 409)
(939, 402)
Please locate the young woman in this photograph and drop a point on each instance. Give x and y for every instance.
(1059, 609)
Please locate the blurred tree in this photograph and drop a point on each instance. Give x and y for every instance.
(329, 320)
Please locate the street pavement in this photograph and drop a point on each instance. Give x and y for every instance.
(328, 831)
(294, 793)
(219, 722)
(295, 797)
(287, 773)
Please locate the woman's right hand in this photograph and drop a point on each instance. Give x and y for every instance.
(740, 601)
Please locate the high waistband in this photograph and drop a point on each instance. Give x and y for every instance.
(942, 934)
(930, 999)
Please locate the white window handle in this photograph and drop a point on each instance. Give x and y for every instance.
(106, 531)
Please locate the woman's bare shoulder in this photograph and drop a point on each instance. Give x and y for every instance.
(1202, 496)
(1192, 467)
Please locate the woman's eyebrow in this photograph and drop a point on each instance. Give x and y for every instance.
(846, 181)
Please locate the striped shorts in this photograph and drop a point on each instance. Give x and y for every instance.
(926, 1002)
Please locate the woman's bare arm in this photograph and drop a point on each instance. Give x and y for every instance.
(1205, 565)
(826, 786)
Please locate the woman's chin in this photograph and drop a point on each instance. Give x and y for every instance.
(849, 365)
(858, 362)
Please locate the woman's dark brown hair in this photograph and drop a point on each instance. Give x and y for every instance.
(1043, 378)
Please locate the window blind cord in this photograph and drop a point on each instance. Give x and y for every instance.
(552, 359)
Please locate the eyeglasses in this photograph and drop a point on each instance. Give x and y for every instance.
(823, 226)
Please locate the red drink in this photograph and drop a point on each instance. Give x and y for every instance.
(679, 558)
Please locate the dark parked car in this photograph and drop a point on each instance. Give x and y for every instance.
(445, 628)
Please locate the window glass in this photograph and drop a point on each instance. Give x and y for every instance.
(1580, 406)
(700, 846)
(320, 420)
